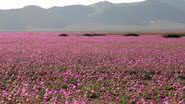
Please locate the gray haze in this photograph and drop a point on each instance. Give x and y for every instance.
(149, 15)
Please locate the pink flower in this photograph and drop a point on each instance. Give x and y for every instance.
(4, 93)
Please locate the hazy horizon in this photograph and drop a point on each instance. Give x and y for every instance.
(100, 16)
(14, 4)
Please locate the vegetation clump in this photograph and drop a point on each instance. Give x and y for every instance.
(173, 35)
(63, 35)
(132, 34)
(91, 35)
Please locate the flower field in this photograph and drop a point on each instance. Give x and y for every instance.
(43, 68)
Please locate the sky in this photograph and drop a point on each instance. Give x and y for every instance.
(11, 4)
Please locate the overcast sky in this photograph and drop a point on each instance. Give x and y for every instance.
(9, 4)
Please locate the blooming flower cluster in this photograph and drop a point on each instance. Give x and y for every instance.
(42, 68)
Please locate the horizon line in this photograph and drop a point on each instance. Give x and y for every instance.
(71, 5)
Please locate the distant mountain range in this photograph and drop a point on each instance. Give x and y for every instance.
(149, 15)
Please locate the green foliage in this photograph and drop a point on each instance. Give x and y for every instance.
(41, 92)
(123, 100)
(64, 86)
(92, 95)
(61, 69)
(147, 76)
(183, 98)
(182, 77)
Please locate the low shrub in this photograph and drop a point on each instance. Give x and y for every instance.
(91, 35)
(132, 34)
(63, 35)
(173, 35)
(87, 35)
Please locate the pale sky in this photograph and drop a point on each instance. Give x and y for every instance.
(10, 4)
